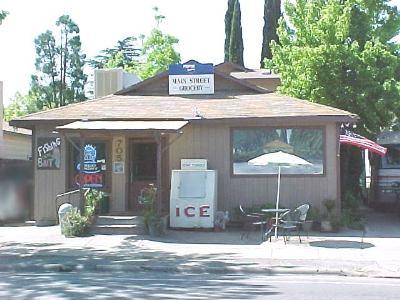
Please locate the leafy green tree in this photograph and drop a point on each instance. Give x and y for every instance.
(272, 13)
(124, 55)
(340, 53)
(59, 79)
(3, 15)
(158, 51)
(154, 55)
(233, 34)
(20, 105)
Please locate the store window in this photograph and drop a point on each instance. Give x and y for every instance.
(94, 166)
(302, 148)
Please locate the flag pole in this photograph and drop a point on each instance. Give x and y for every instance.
(277, 201)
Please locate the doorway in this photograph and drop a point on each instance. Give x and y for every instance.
(143, 170)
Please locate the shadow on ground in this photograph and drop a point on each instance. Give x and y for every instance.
(340, 244)
(129, 286)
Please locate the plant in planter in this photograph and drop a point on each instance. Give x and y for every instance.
(153, 222)
(313, 220)
(75, 224)
(330, 221)
(92, 204)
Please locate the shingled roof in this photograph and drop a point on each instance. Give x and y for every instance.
(233, 99)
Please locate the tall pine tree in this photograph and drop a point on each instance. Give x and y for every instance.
(233, 33)
(228, 28)
(272, 13)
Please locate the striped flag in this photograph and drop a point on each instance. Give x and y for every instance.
(350, 138)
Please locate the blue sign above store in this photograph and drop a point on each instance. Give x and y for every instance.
(191, 68)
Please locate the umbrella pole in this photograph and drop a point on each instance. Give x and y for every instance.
(277, 201)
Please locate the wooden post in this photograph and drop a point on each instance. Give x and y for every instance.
(159, 174)
(81, 170)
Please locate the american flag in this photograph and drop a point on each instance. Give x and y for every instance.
(350, 138)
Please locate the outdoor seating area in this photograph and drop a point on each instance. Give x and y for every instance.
(286, 222)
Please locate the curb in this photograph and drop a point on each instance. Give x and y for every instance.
(23, 267)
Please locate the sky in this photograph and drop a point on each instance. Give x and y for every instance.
(199, 25)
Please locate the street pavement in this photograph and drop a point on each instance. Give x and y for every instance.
(374, 253)
(155, 285)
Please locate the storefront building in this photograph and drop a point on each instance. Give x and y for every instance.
(138, 135)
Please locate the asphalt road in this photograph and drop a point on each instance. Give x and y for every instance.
(146, 285)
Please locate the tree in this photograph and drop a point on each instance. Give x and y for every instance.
(339, 53)
(158, 51)
(228, 28)
(3, 15)
(59, 79)
(154, 55)
(272, 13)
(20, 105)
(124, 55)
(233, 33)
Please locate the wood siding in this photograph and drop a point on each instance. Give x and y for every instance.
(119, 189)
(48, 183)
(15, 146)
(212, 142)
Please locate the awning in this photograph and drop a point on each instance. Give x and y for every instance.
(166, 126)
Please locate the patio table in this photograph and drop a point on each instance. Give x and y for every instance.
(275, 211)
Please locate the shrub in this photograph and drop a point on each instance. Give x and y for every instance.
(92, 202)
(313, 214)
(74, 224)
(351, 213)
(152, 220)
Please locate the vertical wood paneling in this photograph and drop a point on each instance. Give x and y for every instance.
(118, 189)
(48, 183)
(213, 143)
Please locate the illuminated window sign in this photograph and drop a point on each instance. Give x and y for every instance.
(94, 166)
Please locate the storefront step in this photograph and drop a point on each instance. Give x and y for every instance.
(117, 229)
(119, 220)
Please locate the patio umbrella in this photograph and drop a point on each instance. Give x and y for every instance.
(280, 159)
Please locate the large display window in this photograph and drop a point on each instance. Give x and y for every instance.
(306, 144)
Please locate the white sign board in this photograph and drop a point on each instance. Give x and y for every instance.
(191, 84)
(191, 78)
(193, 164)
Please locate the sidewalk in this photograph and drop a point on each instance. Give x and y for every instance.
(347, 253)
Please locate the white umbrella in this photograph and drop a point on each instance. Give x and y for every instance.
(281, 159)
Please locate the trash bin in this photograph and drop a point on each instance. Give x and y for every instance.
(105, 203)
(62, 211)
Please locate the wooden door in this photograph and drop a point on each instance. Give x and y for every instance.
(143, 171)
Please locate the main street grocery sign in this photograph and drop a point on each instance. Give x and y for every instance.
(191, 78)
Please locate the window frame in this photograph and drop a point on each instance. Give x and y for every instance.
(233, 175)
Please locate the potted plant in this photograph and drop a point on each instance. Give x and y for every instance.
(330, 222)
(313, 221)
(153, 222)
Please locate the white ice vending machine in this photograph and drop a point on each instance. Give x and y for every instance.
(193, 201)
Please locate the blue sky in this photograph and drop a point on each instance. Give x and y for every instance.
(198, 24)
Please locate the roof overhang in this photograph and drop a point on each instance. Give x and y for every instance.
(164, 126)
